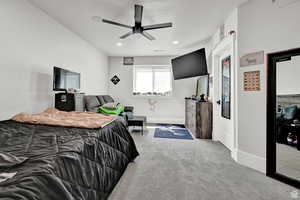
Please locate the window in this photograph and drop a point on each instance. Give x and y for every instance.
(152, 81)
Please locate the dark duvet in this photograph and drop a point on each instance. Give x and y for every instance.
(60, 163)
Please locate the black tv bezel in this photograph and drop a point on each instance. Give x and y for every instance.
(188, 54)
(64, 89)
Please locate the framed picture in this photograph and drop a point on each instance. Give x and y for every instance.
(128, 60)
(252, 81)
(202, 86)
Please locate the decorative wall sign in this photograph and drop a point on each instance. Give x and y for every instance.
(257, 58)
(115, 80)
(252, 81)
(128, 60)
(284, 3)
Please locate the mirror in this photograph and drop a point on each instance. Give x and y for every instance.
(283, 116)
(203, 86)
(288, 117)
(226, 85)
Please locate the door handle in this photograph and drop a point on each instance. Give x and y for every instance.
(219, 102)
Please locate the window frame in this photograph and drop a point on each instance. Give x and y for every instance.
(153, 80)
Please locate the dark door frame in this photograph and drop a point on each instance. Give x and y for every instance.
(273, 58)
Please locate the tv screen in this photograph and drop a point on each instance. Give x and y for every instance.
(64, 79)
(190, 65)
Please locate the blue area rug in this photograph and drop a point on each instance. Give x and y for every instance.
(171, 125)
(172, 131)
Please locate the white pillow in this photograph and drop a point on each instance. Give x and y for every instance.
(111, 106)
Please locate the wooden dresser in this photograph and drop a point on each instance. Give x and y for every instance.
(198, 118)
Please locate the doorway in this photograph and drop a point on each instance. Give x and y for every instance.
(224, 83)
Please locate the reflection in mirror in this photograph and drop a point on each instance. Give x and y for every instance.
(288, 118)
(203, 86)
(226, 64)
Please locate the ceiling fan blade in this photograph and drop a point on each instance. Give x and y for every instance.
(138, 14)
(115, 23)
(148, 36)
(126, 35)
(157, 26)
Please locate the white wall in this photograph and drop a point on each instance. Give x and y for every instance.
(262, 26)
(169, 110)
(31, 44)
(229, 24)
(288, 74)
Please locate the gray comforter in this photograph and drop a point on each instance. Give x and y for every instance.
(59, 163)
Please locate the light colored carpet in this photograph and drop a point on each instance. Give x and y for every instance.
(288, 161)
(170, 169)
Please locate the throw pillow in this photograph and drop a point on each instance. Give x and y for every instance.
(111, 106)
(289, 112)
(117, 111)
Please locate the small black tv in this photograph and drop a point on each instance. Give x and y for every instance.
(64, 79)
(190, 65)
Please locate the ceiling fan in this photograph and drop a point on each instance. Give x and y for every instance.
(138, 28)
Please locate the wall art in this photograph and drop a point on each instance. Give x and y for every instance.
(115, 80)
(257, 58)
(252, 81)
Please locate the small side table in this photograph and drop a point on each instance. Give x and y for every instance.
(137, 121)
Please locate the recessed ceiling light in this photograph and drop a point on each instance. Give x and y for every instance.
(119, 44)
(175, 42)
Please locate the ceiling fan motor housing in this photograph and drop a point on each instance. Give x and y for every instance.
(138, 28)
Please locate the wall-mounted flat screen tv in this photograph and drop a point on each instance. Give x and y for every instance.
(64, 79)
(190, 65)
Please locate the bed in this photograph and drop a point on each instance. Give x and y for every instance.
(63, 163)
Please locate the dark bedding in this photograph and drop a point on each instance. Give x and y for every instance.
(60, 163)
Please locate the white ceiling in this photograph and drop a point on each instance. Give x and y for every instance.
(193, 22)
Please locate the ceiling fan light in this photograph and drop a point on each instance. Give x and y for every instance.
(119, 44)
(175, 42)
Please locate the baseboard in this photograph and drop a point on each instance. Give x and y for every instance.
(234, 155)
(250, 160)
(165, 120)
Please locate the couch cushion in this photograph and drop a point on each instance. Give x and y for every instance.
(103, 99)
(108, 99)
(92, 103)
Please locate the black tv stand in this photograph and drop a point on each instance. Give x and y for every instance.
(65, 101)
